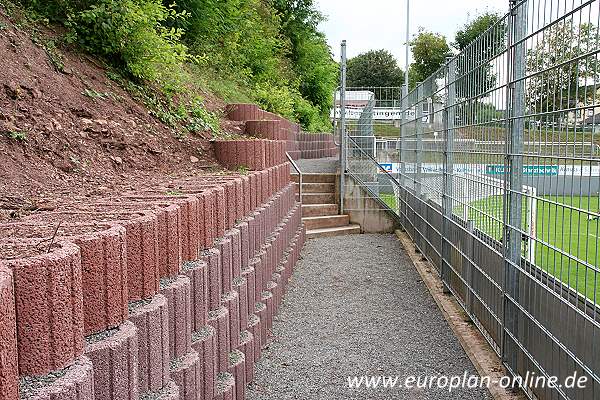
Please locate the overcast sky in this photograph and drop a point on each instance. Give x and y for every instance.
(381, 24)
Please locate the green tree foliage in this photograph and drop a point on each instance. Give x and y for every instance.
(472, 30)
(375, 68)
(560, 65)
(271, 49)
(430, 51)
(132, 34)
(474, 64)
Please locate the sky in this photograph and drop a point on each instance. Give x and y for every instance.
(381, 24)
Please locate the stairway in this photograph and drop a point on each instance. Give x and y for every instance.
(320, 208)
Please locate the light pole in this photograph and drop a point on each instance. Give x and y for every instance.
(407, 46)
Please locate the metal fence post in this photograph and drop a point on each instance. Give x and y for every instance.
(419, 140)
(448, 190)
(513, 178)
(343, 140)
(403, 132)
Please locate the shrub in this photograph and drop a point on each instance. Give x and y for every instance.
(131, 33)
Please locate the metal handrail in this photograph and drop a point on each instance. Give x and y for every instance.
(291, 160)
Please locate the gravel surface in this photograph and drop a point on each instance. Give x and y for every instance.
(357, 306)
(319, 165)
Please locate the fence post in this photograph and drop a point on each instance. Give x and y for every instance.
(448, 185)
(403, 129)
(418, 173)
(513, 178)
(343, 140)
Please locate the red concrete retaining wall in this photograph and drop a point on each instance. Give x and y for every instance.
(115, 361)
(76, 383)
(105, 290)
(49, 307)
(256, 155)
(195, 246)
(9, 373)
(266, 125)
(178, 294)
(152, 323)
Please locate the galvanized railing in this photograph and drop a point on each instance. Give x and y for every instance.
(495, 174)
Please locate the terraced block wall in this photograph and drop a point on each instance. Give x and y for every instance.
(261, 124)
(165, 292)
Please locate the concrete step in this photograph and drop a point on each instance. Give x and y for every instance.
(318, 198)
(328, 232)
(319, 210)
(318, 187)
(315, 178)
(328, 221)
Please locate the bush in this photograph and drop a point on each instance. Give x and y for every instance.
(132, 34)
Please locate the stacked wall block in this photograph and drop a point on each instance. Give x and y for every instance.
(168, 301)
(265, 125)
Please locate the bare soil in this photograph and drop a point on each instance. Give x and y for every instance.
(59, 139)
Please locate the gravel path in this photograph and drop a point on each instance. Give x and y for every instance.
(357, 306)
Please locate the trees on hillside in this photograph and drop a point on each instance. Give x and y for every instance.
(375, 68)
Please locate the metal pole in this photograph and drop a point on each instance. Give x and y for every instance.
(448, 191)
(513, 177)
(407, 45)
(418, 173)
(343, 151)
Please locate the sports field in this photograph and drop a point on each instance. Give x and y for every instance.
(567, 241)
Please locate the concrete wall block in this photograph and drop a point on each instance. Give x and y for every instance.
(237, 368)
(115, 361)
(224, 246)
(197, 272)
(215, 286)
(231, 301)
(247, 347)
(105, 288)
(244, 244)
(178, 294)
(234, 235)
(76, 383)
(152, 323)
(49, 307)
(143, 271)
(249, 274)
(256, 265)
(219, 319)
(243, 112)
(190, 235)
(205, 344)
(240, 285)
(169, 240)
(255, 327)
(209, 218)
(188, 375)
(9, 367)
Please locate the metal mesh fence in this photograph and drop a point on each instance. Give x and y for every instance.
(494, 171)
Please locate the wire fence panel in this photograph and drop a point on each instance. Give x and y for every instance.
(492, 164)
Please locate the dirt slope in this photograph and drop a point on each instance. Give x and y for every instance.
(76, 131)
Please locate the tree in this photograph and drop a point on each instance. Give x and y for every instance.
(375, 68)
(430, 51)
(310, 54)
(558, 68)
(475, 75)
(474, 29)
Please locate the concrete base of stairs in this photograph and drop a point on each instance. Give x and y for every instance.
(335, 231)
